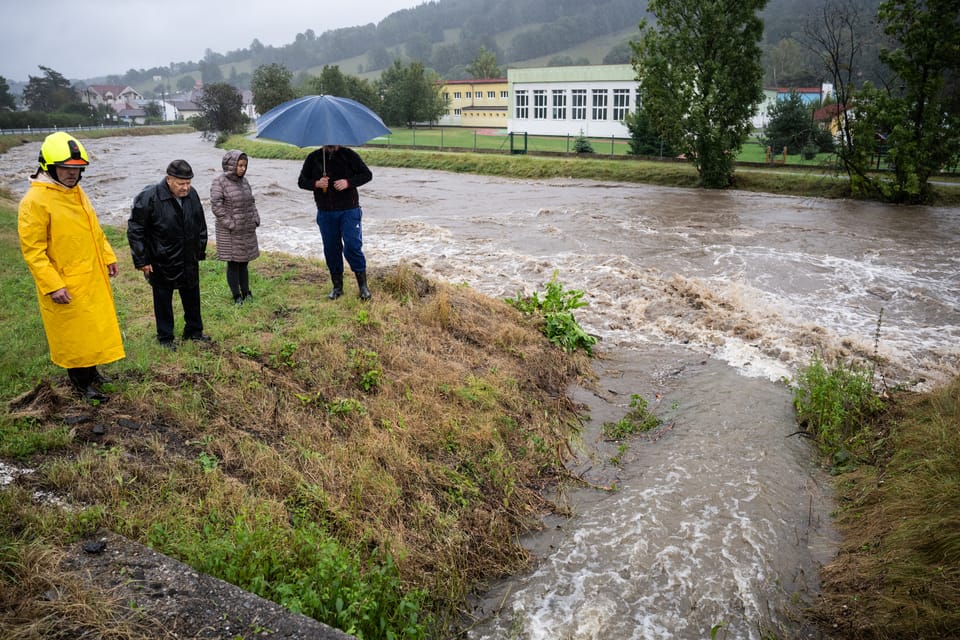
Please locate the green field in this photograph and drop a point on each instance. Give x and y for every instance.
(498, 140)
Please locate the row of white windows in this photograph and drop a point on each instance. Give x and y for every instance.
(478, 95)
(604, 104)
(458, 112)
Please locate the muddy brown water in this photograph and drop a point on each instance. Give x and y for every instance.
(704, 302)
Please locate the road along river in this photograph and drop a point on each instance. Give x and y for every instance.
(703, 302)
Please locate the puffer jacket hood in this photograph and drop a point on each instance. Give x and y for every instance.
(229, 163)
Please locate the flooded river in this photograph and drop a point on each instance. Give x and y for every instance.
(703, 302)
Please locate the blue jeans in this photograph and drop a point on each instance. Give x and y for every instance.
(342, 238)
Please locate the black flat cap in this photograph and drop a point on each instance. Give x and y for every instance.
(180, 169)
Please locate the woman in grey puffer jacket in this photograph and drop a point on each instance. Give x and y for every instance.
(237, 219)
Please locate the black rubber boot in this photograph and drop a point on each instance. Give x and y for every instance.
(84, 381)
(337, 290)
(362, 285)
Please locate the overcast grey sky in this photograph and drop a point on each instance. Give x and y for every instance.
(88, 38)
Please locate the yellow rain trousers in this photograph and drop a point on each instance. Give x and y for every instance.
(64, 246)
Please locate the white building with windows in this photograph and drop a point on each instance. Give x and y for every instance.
(591, 100)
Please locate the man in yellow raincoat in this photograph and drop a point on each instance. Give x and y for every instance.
(71, 262)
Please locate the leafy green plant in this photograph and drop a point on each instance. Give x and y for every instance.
(366, 365)
(556, 306)
(835, 403)
(345, 406)
(207, 461)
(308, 572)
(285, 355)
(637, 420)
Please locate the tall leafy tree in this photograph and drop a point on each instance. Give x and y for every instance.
(221, 109)
(410, 95)
(837, 34)
(49, 92)
(699, 72)
(914, 116)
(210, 72)
(271, 86)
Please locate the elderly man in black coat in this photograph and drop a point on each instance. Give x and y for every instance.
(167, 233)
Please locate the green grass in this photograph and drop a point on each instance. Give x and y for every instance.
(897, 574)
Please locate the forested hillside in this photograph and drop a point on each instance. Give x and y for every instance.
(445, 35)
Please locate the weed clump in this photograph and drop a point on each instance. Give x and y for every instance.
(556, 310)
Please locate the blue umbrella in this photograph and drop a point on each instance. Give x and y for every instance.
(314, 121)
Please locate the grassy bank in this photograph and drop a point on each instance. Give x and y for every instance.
(394, 449)
(898, 572)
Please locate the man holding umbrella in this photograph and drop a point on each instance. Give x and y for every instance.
(333, 173)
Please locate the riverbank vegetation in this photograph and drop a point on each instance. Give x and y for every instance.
(895, 457)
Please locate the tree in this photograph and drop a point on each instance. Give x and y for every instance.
(699, 73)
(836, 36)
(7, 101)
(790, 125)
(644, 139)
(419, 47)
(484, 65)
(49, 93)
(332, 81)
(378, 58)
(153, 110)
(271, 86)
(410, 95)
(221, 109)
(922, 131)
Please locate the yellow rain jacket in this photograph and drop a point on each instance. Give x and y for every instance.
(64, 246)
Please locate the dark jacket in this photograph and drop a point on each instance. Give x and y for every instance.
(170, 237)
(342, 163)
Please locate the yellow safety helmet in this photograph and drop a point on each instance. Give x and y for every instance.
(62, 150)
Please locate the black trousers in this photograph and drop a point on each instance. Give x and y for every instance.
(238, 278)
(163, 312)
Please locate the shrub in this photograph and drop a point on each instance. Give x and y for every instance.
(559, 325)
(835, 405)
